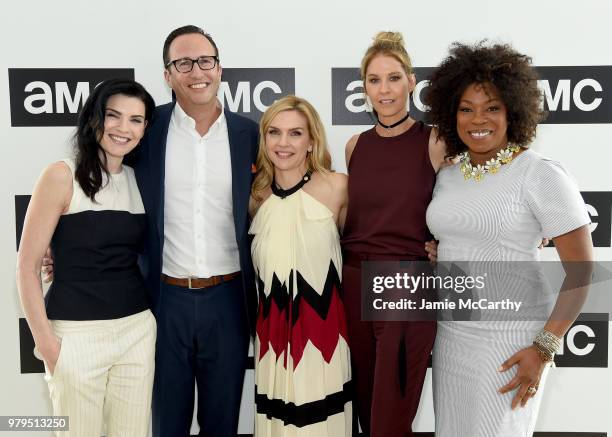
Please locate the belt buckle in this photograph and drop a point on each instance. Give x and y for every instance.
(189, 283)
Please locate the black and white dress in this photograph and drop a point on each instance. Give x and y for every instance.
(98, 306)
(95, 248)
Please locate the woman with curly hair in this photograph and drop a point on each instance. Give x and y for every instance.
(494, 206)
(392, 170)
(302, 362)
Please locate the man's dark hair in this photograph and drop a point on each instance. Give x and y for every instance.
(185, 30)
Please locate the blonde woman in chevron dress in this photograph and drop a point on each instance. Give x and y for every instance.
(302, 363)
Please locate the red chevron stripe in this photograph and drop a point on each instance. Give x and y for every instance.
(272, 331)
(323, 334)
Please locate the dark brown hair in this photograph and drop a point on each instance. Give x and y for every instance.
(90, 128)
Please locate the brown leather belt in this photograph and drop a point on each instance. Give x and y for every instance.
(195, 283)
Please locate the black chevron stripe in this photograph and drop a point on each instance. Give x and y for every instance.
(320, 302)
(278, 293)
(305, 414)
(282, 293)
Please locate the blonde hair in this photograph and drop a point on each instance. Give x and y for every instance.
(319, 160)
(388, 44)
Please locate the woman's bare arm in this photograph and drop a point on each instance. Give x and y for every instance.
(49, 201)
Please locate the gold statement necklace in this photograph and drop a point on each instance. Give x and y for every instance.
(477, 172)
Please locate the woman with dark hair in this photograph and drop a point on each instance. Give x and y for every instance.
(492, 208)
(93, 330)
(392, 170)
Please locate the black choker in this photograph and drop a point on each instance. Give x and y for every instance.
(278, 191)
(391, 126)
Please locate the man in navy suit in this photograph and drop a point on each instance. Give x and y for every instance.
(194, 174)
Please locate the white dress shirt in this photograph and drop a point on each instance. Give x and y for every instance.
(199, 234)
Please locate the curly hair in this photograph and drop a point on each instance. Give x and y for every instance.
(319, 160)
(498, 65)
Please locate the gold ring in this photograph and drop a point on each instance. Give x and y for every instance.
(532, 390)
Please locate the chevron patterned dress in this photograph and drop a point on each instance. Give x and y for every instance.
(302, 362)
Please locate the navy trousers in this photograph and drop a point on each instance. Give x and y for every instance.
(203, 339)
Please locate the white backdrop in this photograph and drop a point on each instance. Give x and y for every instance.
(311, 38)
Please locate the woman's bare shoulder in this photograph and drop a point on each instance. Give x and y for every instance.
(349, 148)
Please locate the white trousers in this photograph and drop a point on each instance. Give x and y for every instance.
(104, 374)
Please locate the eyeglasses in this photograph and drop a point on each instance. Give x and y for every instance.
(185, 65)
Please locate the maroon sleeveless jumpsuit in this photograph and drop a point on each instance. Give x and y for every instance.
(390, 185)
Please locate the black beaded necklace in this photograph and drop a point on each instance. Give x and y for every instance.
(391, 126)
(278, 191)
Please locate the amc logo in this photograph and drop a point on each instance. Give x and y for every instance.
(29, 363)
(349, 106)
(250, 91)
(598, 203)
(574, 95)
(599, 207)
(54, 96)
(21, 206)
(586, 342)
(571, 95)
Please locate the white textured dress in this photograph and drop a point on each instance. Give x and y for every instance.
(302, 358)
(501, 218)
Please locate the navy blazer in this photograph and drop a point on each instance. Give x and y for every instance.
(149, 166)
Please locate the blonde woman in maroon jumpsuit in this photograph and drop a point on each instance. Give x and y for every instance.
(392, 170)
